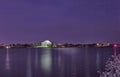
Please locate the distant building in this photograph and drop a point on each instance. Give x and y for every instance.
(103, 44)
(46, 43)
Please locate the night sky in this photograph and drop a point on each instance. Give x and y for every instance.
(61, 21)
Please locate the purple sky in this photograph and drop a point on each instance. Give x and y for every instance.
(74, 21)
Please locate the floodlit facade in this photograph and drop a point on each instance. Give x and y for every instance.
(45, 43)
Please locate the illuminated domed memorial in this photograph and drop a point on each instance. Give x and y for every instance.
(46, 43)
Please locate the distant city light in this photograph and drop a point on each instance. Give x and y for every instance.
(115, 45)
(7, 47)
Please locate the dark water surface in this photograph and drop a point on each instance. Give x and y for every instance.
(55, 62)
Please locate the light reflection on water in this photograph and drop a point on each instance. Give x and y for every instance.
(87, 61)
(36, 59)
(61, 64)
(7, 67)
(46, 61)
(62, 61)
(73, 62)
(29, 69)
(98, 59)
(50, 62)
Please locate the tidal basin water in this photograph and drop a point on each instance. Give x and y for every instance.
(53, 62)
